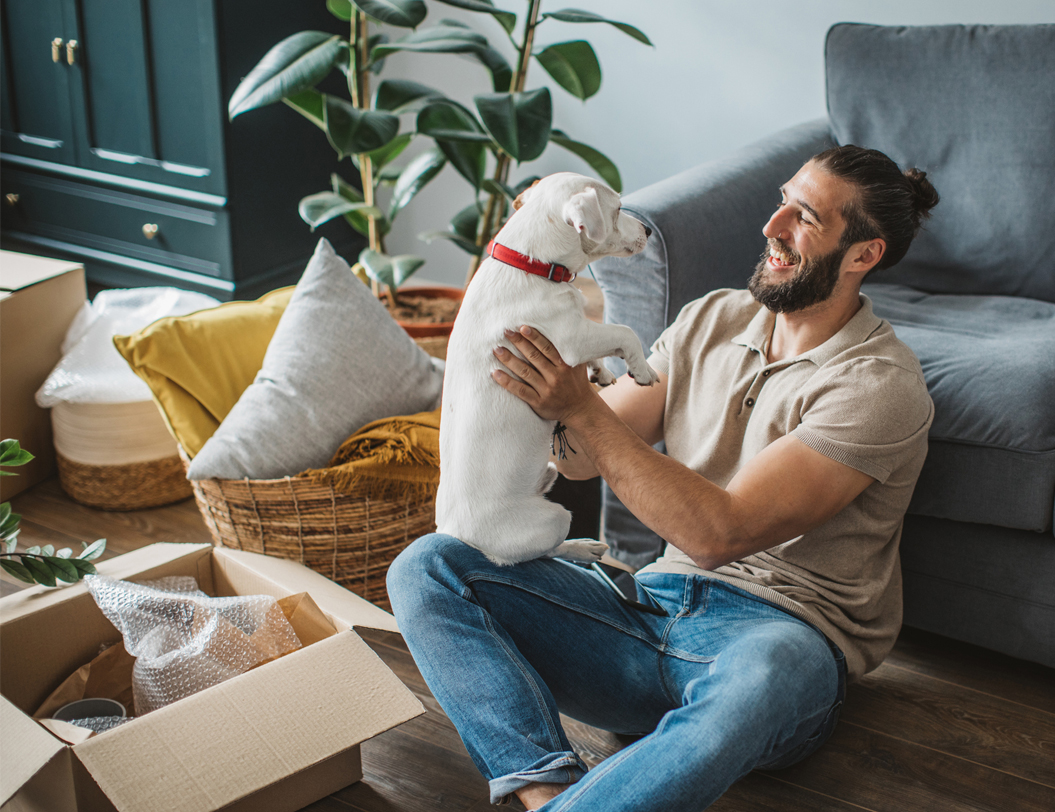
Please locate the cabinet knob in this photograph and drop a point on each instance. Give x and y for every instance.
(56, 47)
(150, 230)
(11, 198)
(71, 51)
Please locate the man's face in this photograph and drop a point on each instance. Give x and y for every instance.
(803, 259)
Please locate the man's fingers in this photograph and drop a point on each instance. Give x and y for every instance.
(517, 365)
(535, 346)
(518, 388)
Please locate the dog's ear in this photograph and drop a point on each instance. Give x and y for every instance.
(523, 196)
(583, 213)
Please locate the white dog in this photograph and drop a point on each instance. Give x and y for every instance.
(494, 450)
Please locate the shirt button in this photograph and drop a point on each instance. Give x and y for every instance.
(766, 373)
(749, 402)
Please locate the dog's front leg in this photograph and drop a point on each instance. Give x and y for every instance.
(589, 341)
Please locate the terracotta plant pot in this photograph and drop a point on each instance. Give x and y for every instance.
(424, 330)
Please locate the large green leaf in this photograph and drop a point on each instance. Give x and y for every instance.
(390, 271)
(403, 96)
(355, 218)
(501, 72)
(506, 19)
(40, 571)
(322, 207)
(438, 39)
(459, 136)
(404, 13)
(414, 178)
(573, 15)
(462, 231)
(309, 103)
(389, 152)
(17, 570)
(12, 454)
(573, 66)
(519, 122)
(92, 551)
(600, 163)
(298, 62)
(341, 9)
(351, 130)
(62, 569)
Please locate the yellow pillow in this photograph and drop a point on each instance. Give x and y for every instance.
(198, 365)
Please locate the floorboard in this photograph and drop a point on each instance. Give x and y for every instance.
(941, 726)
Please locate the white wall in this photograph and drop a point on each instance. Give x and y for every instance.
(722, 74)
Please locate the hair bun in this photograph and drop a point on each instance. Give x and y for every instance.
(924, 196)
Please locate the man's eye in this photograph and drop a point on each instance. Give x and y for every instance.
(804, 220)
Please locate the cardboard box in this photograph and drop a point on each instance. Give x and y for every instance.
(273, 739)
(38, 299)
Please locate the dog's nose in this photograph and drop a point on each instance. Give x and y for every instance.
(648, 232)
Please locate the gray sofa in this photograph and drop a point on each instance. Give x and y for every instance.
(974, 106)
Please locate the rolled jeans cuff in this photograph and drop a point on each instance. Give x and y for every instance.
(556, 768)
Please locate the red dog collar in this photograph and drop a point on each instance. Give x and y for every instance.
(550, 270)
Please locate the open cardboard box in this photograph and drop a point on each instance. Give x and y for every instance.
(277, 737)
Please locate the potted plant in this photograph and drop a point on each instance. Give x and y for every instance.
(510, 124)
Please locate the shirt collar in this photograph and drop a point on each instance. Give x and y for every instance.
(759, 332)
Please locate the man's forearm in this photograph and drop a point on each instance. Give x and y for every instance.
(682, 507)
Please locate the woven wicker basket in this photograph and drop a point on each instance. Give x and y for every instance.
(350, 539)
(133, 486)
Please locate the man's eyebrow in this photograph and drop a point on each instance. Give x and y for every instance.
(805, 205)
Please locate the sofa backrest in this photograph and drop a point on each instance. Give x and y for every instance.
(973, 106)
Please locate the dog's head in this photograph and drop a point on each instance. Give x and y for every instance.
(591, 209)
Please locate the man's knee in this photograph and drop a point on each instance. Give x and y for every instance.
(435, 559)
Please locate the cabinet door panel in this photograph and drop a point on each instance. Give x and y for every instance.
(36, 120)
(148, 92)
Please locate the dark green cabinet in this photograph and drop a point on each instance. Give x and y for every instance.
(115, 147)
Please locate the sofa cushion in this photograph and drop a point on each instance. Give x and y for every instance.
(989, 362)
(336, 362)
(974, 106)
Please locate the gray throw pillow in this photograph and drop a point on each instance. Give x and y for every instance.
(337, 361)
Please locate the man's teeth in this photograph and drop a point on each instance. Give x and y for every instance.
(780, 257)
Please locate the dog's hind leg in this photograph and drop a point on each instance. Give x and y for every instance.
(583, 551)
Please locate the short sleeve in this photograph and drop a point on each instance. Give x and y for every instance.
(869, 413)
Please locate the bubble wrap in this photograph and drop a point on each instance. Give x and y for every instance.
(183, 640)
(91, 369)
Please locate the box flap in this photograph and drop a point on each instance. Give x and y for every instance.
(332, 598)
(130, 565)
(19, 271)
(25, 748)
(219, 745)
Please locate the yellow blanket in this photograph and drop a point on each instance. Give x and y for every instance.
(390, 458)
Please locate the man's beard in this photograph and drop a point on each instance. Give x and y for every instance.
(811, 284)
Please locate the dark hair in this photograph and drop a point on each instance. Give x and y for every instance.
(889, 204)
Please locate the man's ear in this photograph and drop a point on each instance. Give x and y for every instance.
(523, 196)
(868, 254)
(583, 213)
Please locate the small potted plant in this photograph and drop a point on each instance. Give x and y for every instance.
(510, 124)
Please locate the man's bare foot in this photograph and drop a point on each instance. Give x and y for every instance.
(535, 795)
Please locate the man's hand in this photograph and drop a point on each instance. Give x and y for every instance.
(554, 390)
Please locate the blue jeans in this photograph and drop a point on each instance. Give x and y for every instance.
(725, 684)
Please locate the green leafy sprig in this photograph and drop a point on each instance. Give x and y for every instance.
(38, 565)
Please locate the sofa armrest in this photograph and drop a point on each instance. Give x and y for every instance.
(706, 231)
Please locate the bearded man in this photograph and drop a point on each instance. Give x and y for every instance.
(795, 425)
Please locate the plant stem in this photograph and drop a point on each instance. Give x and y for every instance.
(491, 221)
(359, 87)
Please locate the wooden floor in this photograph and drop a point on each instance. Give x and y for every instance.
(940, 726)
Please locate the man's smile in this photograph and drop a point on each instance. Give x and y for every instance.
(781, 258)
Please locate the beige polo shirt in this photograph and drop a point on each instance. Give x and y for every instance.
(859, 398)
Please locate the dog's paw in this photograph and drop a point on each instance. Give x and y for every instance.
(600, 375)
(643, 374)
(583, 551)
